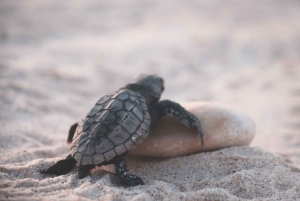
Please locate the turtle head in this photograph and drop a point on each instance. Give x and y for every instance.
(153, 83)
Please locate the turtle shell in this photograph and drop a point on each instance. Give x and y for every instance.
(116, 124)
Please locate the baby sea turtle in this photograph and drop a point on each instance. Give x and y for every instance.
(118, 123)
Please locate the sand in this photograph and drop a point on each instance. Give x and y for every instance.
(58, 58)
(227, 174)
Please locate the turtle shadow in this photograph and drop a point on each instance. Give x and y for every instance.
(98, 173)
(104, 174)
(145, 159)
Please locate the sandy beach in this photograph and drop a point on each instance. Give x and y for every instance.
(58, 58)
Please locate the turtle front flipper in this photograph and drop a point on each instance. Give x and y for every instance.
(61, 167)
(122, 174)
(165, 107)
(72, 132)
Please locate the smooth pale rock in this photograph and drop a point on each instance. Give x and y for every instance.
(222, 128)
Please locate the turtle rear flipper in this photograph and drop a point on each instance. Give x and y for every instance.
(72, 132)
(84, 170)
(61, 167)
(122, 174)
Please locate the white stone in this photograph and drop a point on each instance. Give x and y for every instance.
(222, 127)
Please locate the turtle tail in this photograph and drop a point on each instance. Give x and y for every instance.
(71, 132)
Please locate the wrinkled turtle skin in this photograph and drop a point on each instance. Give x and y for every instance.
(117, 124)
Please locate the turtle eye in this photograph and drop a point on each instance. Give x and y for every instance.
(162, 88)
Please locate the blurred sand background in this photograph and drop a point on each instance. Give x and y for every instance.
(57, 58)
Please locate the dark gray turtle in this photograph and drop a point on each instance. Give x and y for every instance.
(117, 124)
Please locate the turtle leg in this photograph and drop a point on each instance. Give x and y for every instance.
(165, 107)
(71, 132)
(84, 170)
(122, 173)
(61, 167)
